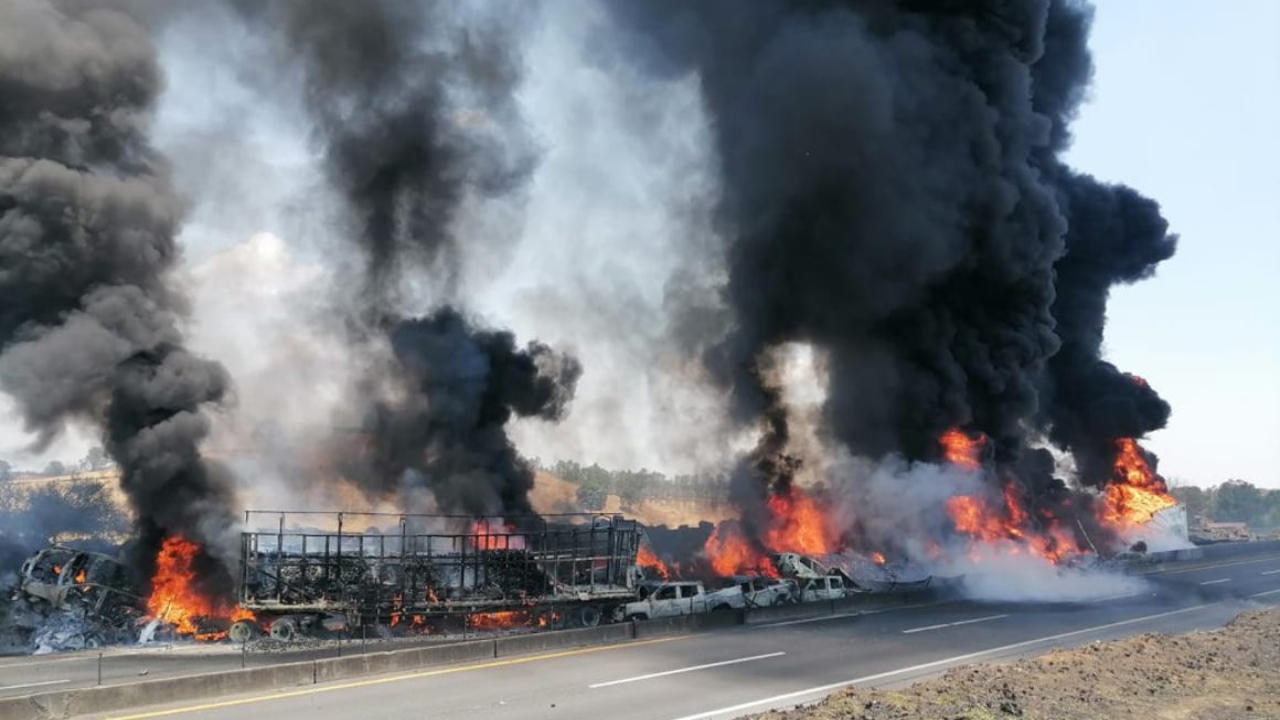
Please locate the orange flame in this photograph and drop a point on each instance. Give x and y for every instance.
(80, 577)
(1008, 525)
(500, 620)
(877, 558)
(647, 559)
(174, 597)
(1136, 493)
(961, 450)
(495, 535)
(796, 524)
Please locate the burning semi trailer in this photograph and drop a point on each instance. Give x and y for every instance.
(423, 577)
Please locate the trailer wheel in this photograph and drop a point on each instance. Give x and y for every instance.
(284, 630)
(241, 631)
(589, 616)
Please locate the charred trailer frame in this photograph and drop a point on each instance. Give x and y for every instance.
(559, 570)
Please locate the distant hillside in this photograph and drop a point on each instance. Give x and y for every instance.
(550, 495)
(556, 495)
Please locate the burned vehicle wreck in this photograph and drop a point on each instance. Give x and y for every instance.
(69, 599)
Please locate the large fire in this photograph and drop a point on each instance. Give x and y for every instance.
(1135, 493)
(647, 559)
(796, 524)
(1007, 522)
(175, 599)
(961, 450)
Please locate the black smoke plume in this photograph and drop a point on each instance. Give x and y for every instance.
(879, 202)
(407, 100)
(1115, 235)
(446, 431)
(892, 194)
(89, 317)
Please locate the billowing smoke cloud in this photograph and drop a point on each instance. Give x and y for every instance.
(892, 195)
(445, 430)
(412, 105)
(880, 203)
(1115, 235)
(89, 326)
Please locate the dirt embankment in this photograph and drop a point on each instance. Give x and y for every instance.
(1227, 674)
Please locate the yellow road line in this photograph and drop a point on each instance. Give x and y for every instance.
(384, 680)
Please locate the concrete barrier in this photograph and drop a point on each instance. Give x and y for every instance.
(75, 703)
(394, 661)
(688, 623)
(581, 637)
(72, 703)
(1222, 551)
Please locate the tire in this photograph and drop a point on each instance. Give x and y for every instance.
(589, 616)
(721, 608)
(241, 631)
(284, 630)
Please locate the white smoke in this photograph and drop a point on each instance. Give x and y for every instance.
(616, 242)
(1007, 572)
(901, 507)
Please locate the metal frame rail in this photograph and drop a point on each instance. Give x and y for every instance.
(488, 564)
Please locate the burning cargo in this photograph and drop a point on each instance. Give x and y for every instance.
(561, 570)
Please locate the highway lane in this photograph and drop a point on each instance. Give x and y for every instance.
(21, 676)
(750, 669)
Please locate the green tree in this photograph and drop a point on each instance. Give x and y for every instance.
(55, 468)
(1194, 498)
(1237, 501)
(96, 459)
(592, 494)
(6, 471)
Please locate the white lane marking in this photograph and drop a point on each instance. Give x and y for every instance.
(1215, 582)
(935, 664)
(816, 619)
(34, 684)
(1122, 596)
(1264, 594)
(856, 613)
(1270, 572)
(953, 624)
(651, 676)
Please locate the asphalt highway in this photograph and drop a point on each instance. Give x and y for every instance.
(749, 669)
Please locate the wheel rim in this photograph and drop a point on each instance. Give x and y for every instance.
(282, 630)
(240, 631)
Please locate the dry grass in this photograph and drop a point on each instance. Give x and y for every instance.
(1227, 674)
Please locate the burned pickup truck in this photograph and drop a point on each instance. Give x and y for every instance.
(68, 599)
(69, 579)
(848, 573)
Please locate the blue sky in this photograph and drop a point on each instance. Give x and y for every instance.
(1186, 108)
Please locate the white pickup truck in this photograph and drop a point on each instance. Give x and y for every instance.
(753, 591)
(671, 599)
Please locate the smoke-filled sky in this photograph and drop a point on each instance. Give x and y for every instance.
(1179, 110)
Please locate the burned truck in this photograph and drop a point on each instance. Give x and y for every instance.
(431, 571)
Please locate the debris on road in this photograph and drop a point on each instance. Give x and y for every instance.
(1232, 673)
